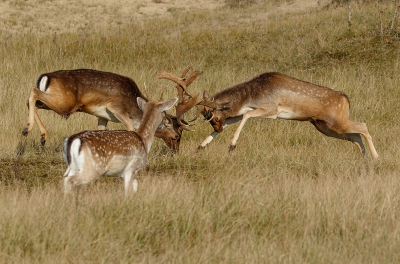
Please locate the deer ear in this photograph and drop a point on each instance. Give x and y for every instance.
(205, 95)
(168, 104)
(141, 102)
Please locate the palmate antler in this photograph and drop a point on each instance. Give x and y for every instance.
(184, 104)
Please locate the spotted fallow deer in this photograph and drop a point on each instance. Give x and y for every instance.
(109, 96)
(275, 95)
(90, 154)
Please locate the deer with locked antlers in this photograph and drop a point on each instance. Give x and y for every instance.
(90, 154)
(274, 95)
(185, 100)
(109, 96)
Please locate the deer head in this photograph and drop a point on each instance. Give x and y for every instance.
(214, 112)
(171, 131)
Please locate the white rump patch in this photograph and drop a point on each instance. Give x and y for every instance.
(43, 83)
(77, 158)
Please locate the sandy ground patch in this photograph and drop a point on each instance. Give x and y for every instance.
(70, 15)
(48, 16)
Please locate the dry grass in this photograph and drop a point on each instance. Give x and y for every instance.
(287, 194)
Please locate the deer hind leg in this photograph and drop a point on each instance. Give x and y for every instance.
(351, 132)
(322, 127)
(35, 94)
(130, 182)
(81, 167)
(361, 128)
(43, 131)
(31, 103)
(259, 112)
(83, 177)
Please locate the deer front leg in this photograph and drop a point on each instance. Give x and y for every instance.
(227, 122)
(207, 140)
(123, 117)
(102, 123)
(260, 112)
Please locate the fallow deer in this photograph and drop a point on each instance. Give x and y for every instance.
(90, 154)
(275, 95)
(109, 96)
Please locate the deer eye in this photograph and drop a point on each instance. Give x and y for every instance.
(166, 123)
(163, 125)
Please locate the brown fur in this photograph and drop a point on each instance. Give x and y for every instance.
(85, 90)
(113, 153)
(275, 95)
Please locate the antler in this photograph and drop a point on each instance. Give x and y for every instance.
(183, 82)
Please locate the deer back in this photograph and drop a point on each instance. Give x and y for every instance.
(109, 150)
(109, 96)
(275, 90)
(86, 90)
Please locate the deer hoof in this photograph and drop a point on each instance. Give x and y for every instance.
(42, 141)
(174, 151)
(200, 148)
(232, 147)
(25, 132)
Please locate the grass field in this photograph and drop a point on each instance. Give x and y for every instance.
(287, 194)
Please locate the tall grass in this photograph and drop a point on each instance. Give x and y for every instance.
(287, 194)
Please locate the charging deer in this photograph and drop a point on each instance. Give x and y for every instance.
(109, 96)
(90, 154)
(275, 95)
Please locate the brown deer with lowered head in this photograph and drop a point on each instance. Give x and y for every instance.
(90, 154)
(109, 96)
(275, 95)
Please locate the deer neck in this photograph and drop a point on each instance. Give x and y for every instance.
(148, 127)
